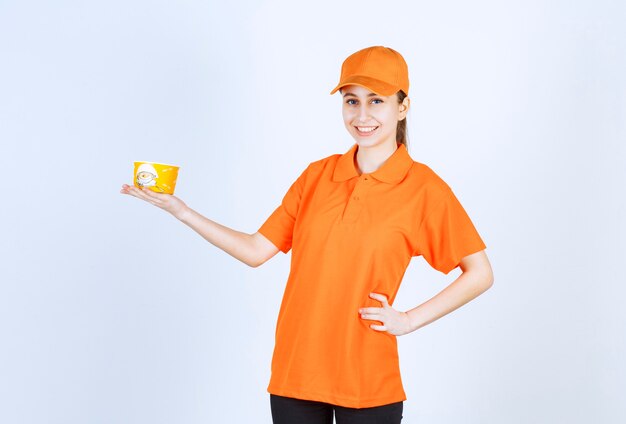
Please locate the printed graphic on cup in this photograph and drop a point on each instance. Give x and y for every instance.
(158, 177)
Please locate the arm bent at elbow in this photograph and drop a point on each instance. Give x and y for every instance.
(478, 265)
(263, 248)
(251, 249)
(476, 278)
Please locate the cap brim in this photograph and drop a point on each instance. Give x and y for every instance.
(374, 85)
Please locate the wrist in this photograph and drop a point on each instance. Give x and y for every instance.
(183, 215)
(414, 319)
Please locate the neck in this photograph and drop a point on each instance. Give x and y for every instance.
(369, 158)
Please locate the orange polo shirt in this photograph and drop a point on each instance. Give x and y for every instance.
(351, 235)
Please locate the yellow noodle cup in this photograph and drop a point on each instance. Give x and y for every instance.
(158, 177)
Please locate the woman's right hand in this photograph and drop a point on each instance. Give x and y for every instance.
(167, 202)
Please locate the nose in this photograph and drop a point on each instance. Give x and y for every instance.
(364, 113)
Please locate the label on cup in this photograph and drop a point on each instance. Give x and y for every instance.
(158, 177)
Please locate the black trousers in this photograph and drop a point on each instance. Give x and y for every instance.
(286, 410)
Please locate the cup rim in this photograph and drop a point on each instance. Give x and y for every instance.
(155, 163)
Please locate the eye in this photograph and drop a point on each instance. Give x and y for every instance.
(349, 101)
(377, 100)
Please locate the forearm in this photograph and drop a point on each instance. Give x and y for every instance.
(236, 243)
(465, 288)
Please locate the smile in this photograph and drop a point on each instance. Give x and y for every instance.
(365, 130)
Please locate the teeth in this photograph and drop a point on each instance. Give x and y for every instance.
(366, 129)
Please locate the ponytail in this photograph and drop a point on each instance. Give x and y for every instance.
(402, 132)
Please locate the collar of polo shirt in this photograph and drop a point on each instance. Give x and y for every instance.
(392, 171)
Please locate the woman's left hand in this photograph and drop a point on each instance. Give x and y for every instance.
(394, 322)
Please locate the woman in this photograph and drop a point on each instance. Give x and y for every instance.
(353, 222)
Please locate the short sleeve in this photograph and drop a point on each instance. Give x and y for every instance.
(278, 228)
(447, 234)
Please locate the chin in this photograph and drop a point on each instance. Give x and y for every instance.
(365, 142)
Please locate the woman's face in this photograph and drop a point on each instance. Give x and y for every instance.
(371, 119)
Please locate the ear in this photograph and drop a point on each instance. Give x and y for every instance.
(403, 108)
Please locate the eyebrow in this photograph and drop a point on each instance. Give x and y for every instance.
(352, 94)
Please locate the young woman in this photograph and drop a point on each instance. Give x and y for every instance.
(353, 222)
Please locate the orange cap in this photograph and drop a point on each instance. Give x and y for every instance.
(377, 68)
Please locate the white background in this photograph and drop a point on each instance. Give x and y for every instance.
(111, 311)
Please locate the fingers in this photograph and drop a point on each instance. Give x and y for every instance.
(377, 314)
(378, 327)
(381, 298)
(143, 194)
(372, 314)
(152, 194)
(374, 317)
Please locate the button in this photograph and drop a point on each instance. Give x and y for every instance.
(356, 197)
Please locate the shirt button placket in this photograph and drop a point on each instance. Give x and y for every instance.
(356, 200)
